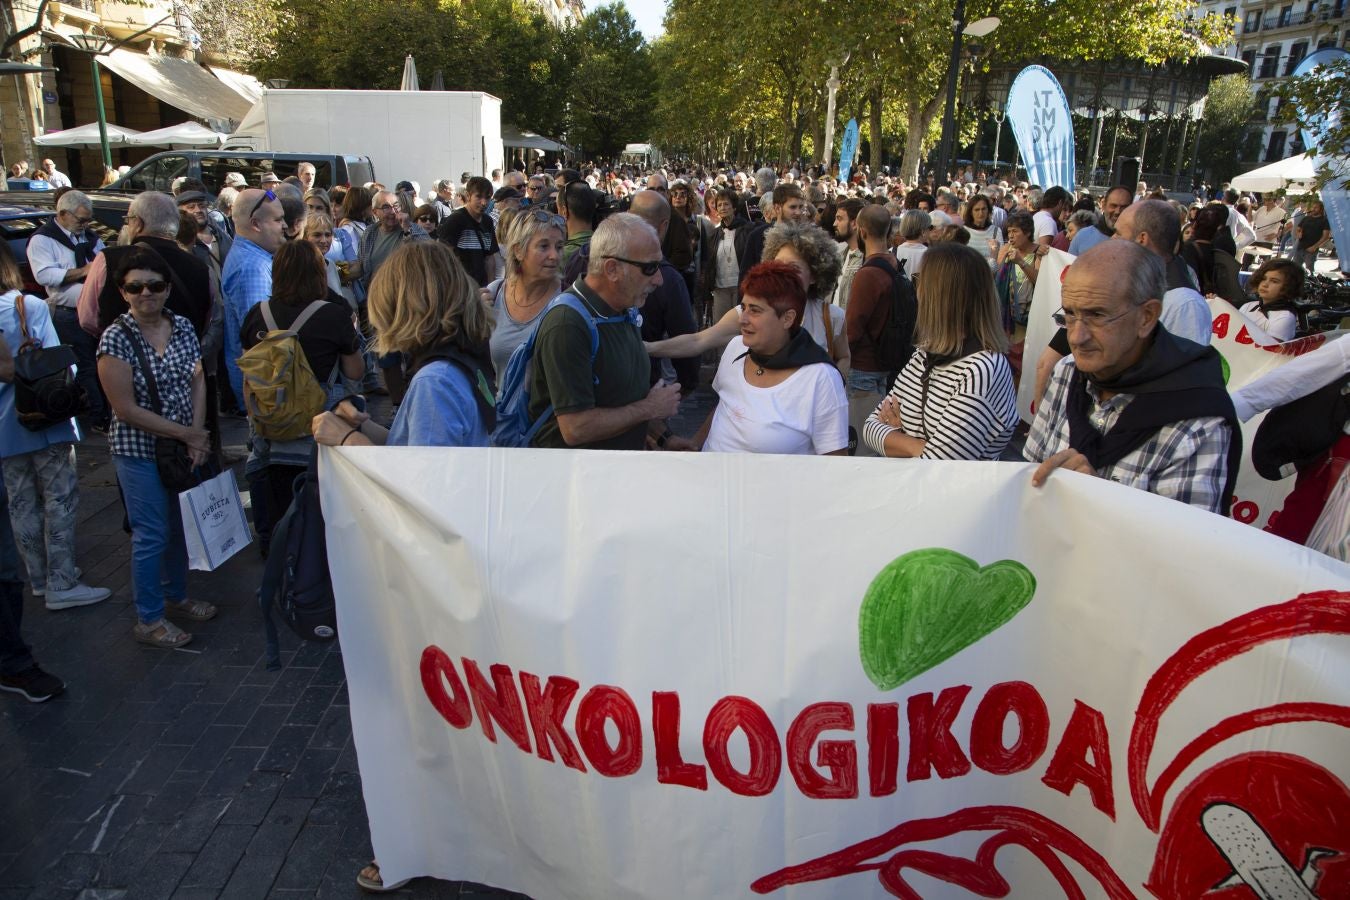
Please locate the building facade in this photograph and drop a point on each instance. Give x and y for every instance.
(562, 13)
(1272, 37)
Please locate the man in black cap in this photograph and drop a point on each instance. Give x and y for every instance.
(504, 198)
(213, 241)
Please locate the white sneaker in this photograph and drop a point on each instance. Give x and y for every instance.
(41, 589)
(79, 595)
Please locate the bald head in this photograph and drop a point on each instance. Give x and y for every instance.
(258, 219)
(874, 222)
(1112, 299)
(1152, 224)
(653, 209)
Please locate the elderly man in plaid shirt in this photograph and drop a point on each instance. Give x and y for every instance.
(1134, 403)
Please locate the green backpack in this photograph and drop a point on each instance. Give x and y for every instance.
(281, 393)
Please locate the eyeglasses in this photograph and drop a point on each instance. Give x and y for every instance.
(267, 197)
(80, 220)
(136, 288)
(1095, 319)
(427, 219)
(387, 207)
(647, 268)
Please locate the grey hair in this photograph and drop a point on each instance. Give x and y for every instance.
(524, 228)
(613, 238)
(225, 199)
(765, 179)
(74, 201)
(1034, 196)
(157, 212)
(1083, 218)
(1159, 221)
(814, 246)
(914, 223)
(1146, 278)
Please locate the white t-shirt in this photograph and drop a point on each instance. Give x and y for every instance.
(807, 413)
(911, 253)
(1045, 223)
(728, 271)
(1278, 323)
(814, 323)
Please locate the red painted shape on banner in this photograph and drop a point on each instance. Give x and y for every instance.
(1244, 336)
(670, 765)
(1266, 811)
(438, 671)
(839, 757)
(883, 747)
(1245, 511)
(547, 708)
(987, 750)
(1221, 325)
(766, 756)
(931, 744)
(498, 702)
(1012, 826)
(606, 703)
(1322, 612)
(1085, 734)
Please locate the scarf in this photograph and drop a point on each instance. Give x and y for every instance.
(801, 350)
(84, 252)
(1175, 380)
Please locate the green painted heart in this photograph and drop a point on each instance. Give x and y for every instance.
(928, 605)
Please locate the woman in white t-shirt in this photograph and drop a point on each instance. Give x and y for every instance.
(815, 256)
(777, 390)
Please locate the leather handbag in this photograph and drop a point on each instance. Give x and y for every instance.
(45, 390)
(176, 471)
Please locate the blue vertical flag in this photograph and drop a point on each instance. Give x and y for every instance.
(847, 149)
(1039, 115)
(1335, 193)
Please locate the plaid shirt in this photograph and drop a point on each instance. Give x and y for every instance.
(173, 377)
(1187, 460)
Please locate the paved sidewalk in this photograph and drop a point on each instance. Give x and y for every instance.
(192, 773)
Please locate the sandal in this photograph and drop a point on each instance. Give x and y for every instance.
(197, 610)
(163, 634)
(368, 880)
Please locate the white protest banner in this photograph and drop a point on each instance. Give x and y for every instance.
(1040, 327)
(580, 674)
(1255, 499)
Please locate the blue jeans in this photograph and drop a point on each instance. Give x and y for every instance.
(870, 382)
(158, 552)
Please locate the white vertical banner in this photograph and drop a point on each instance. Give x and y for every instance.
(1040, 326)
(582, 674)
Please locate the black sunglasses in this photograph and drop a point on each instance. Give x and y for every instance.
(266, 197)
(647, 268)
(136, 288)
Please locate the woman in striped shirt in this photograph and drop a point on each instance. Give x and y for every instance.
(954, 399)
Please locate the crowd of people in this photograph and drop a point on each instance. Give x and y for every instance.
(868, 318)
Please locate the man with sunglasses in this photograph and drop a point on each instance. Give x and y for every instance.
(59, 253)
(604, 400)
(1135, 404)
(246, 281)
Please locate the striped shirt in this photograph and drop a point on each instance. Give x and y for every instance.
(970, 413)
(1187, 460)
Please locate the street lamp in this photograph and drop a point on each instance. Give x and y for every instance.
(97, 45)
(833, 85)
(979, 28)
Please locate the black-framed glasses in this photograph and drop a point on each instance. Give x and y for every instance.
(647, 268)
(267, 197)
(427, 219)
(1094, 319)
(136, 288)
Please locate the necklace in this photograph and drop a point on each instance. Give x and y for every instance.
(759, 370)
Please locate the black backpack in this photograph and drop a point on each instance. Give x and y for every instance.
(895, 343)
(45, 390)
(1300, 431)
(296, 579)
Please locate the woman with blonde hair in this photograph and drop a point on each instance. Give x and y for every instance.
(425, 306)
(533, 248)
(955, 398)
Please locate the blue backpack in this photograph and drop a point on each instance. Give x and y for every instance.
(515, 428)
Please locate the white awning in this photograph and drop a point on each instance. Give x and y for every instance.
(246, 86)
(179, 83)
(188, 134)
(85, 137)
(514, 137)
(1296, 170)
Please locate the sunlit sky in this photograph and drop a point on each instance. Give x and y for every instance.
(647, 13)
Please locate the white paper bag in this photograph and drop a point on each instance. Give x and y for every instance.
(213, 522)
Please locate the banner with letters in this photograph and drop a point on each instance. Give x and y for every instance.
(581, 674)
(848, 149)
(1039, 115)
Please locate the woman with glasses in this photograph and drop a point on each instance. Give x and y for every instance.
(955, 397)
(533, 249)
(150, 345)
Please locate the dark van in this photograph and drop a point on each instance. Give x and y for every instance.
(157, 173)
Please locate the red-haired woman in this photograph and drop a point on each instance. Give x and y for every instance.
(777, 390)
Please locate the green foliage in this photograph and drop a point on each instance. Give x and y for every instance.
(1307, 101)
(614, 84)
(1225, 140)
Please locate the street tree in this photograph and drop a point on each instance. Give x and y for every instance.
(1225, 140)
(1317, 101)
(613, 85)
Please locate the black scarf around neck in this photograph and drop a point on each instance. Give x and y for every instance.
(801, 350)
(83, 252)
(1175, 380)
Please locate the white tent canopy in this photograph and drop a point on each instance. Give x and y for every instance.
(178, 82)
(177, 137)
(85, 137)
(515, 137)
(1295, 171)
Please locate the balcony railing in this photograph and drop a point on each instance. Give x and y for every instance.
(1294, 20)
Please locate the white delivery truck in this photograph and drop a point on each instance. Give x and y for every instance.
(417, 136)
